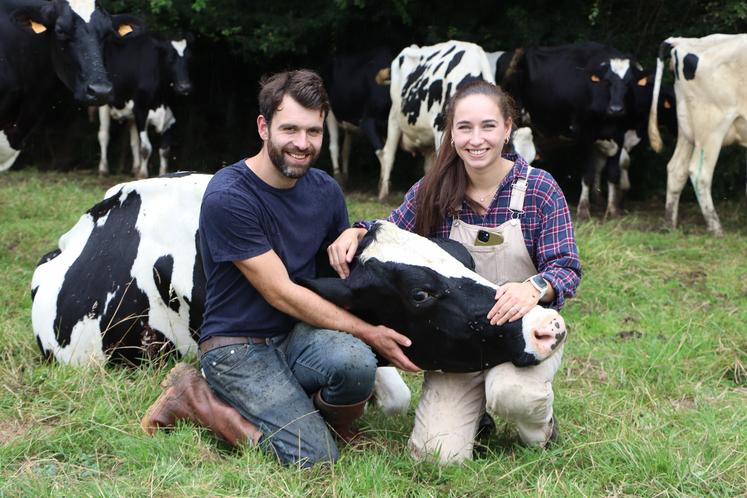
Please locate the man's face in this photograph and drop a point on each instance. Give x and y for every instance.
(294, 138)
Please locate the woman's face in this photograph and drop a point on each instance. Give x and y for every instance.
(479, 131)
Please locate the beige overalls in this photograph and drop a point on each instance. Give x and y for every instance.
(452, 404)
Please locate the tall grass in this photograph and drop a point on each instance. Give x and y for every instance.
(651, 399)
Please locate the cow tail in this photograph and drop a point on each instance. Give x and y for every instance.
(654, 137)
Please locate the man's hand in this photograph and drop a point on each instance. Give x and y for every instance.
(513, 301)
(342, 251)
(388, 343)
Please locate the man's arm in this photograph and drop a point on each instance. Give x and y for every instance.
(269, 276)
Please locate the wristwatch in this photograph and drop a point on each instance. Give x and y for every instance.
(538, 283)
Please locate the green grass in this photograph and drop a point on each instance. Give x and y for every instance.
(651, 398)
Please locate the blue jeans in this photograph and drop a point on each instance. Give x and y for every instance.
(271, 384)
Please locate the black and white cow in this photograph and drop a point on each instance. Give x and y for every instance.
(422, 81)
(581, 92)
(709, 84)
(359, 101)
(144, 71)
(126, 283)
(41, 43)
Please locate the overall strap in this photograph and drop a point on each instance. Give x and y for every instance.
(518, 191)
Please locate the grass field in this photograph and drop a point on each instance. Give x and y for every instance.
(651, 398)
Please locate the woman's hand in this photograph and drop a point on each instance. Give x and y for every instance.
(342, 250)
(513, 301)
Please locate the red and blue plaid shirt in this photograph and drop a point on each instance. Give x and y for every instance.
(546, 224)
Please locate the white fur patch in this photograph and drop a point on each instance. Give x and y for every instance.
(8, 154)
(84, 8)
(395, 245)
(620, 66)
(180, 46)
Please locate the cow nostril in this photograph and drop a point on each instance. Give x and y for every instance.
(615, 109)
(99, 92)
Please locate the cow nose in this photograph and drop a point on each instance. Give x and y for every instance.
(615, 109)
(549, 335)
(183, 88)
(99, 92)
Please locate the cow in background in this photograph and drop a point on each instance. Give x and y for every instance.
(144, 71)
(422, 81)
(359, 101)
(580, 92)
(709, 83)
(42, 43)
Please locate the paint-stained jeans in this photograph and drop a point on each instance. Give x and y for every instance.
(270, 385)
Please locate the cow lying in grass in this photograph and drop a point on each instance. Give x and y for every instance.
(126, 284)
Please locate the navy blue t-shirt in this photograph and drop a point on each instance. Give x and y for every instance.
(242, 217)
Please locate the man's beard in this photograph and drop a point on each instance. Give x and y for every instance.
(290, 170)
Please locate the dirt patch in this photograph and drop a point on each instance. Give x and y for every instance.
(683, 404)
(626, 335)
(12, 429)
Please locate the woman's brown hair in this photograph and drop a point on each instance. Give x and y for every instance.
(442, 190)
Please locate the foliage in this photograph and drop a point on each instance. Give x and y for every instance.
(650, 398)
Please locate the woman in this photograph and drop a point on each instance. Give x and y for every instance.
(515, 222)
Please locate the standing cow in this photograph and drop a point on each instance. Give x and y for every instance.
(422, 81)
(359, 101)
(581, 92)
(41, 42)
(709, 83)
(144, 71)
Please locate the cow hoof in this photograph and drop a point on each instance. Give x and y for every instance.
(583, 213)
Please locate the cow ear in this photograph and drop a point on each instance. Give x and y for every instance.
(127, 27)
(34, 21)
(335, 290)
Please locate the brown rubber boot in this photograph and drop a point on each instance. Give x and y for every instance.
(341, 418)
(188, 396)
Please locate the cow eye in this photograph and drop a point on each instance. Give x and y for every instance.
(420, 296)
(595, 78)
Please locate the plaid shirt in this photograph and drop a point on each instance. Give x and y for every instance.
(545, 223)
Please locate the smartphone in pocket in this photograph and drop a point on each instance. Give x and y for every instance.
(485, 238)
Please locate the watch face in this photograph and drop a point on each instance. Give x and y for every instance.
(539, 281)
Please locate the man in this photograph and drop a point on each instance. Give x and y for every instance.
(270, 348)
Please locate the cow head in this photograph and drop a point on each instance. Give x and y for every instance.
(175, 55)
(610, 78)
(413, 285)
(75, 32)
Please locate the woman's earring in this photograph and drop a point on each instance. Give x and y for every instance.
(452, 142)
(506, 141)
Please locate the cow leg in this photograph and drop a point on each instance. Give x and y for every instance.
(105, 122)
(624, 169)
(390, 391)
(146, 148)
(135, 147)
(677, 177)
(390, 149)
(167, 138)
(596, 162)
(702, 165)
(346, 146)
(334, 144)
(8, 154)
(613, 184)
(430, 159)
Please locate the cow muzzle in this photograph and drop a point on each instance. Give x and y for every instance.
(544, 332)
(98, 93)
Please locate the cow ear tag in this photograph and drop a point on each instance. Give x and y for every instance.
(37, 27)
(667, 104)
(595, 78)
(124, 30)
(642, 81)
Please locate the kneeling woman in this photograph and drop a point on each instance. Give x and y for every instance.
(515, 222)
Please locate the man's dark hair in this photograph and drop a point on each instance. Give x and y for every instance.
(303, 85)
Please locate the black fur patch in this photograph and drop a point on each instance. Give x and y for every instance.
(689, 66)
